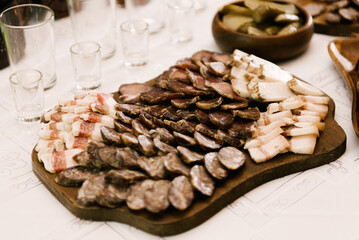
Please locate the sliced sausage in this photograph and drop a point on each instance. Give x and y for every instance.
(156, 198)
(124, 177)
(231, 157)
(135, 199)
(201, 181)
(181, 193)
(174, 165)
(214, 167)
(189, 156)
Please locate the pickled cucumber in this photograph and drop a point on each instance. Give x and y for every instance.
(235, 21)
(232, 8)
(286, 18)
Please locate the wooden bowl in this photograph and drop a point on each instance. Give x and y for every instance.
(273, 48)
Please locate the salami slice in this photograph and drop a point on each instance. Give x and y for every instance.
(90, 189)
(231, 157)
(135, 199)
(124, 177)
(73, 177)
(154, 166)
(112, 196)
(174, 165)
(214, 167)
(201, 181)
(156, 198)
(181, 193)
(189, 156)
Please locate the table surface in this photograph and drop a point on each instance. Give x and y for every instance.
(321, 203)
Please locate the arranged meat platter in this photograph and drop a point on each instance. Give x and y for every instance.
(322, 10)
(166, 155)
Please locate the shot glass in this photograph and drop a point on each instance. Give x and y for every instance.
(86, 61)
(134, 35)
(180, 19)
(28, 92)
(28, 30)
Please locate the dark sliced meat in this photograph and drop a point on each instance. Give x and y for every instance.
(183, 139)
(162, 134)
(204, 70)
(218, 68)
(231, 157)
(124, 177)
(184, 88)
(174, 165)
(105, 157)
(147, 120)
(123, 117)
(121, 128)
(110, 136)
(197, 80)
(73, 177)
(223, 136)
(129, 109)
(138, 128)
(349, 14)
(223, 58)
(186, 63)
(225, 89)
(234, 105)
(205, 142)
(214, 166)
(247, 113)
(212, 80)
(221, 119)
(182, 126)
(90, 189)
(112, 196)
(157, 95)
(135, 199)
(335, 6)
(186, 114)
(181, 193)
(156, 110)
(159, 122)
(201, 181)
(154, 166)
(163, 147)
(179, 75)
(202, 128)
(202, 116)
(189, 156)
(184, 102)
(315, 9)
(242, 128)
(197, 56)
(161, 80)
(156, 198)
(170, 113)
(83, 158)
(130, 93)
(129, 140)
(209, 104)
(127, 159)
(146, 146)
(332, 17)
(92, 146)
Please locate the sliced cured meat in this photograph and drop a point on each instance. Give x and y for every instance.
(60, 117)
(203, 69)
(145, 145)
(130, 93)
(105, 157)
(209, 104)
(181, 193)
(179, 75)
(121, 128)
(123, 117)
(223, 58)
(59, 126)
(248, 113)
(129, 139)
(157, 95)
(189, 156)
(159, 122)
(173, 164)
(243, 128)
(59, 161)
(147, 120)
(184, 88)
(163, 147)
(182, 126)
(98, 118)
(197, 56)
(225, 89)
(90, 189)
(221, 119)
(223, 136)
(202, 128)
(201, 181)
(231, 157)
(75, 142)
(186, 63)
(205, 142)
(218, 68)
(202, 116)
(170, 113)
(156, 110)
(87, 130)
(124, 177)
(135, 199)
(162, 134)
(154, 166)
(214, 167)
(111, 196)
(138, 128)
(73, 177)
(72, 109)
(234, 105)
(197, 80)
(186, 114)
(92, 146)
(84, 100)
(129, 109)
(161, 80)
(183, 139)
(104, 104)
(156, 198)
(184, 102)
(56, 144)
(83, 159)
(110, 136)
(128, 158)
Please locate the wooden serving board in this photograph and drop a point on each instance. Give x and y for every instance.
(321, 26)
(330, 146)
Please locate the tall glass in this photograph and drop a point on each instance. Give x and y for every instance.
(94, 20)
(28, 30)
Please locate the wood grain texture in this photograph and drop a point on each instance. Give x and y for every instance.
(330, 146)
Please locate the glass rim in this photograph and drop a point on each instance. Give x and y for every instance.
(136, 20)
(23, 6)
(15, 82)
(98, 47)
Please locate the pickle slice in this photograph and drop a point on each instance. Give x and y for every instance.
(290, 28)
(235, 21)
(272, 30)
(256, 31)
(286, 18)
(232, 8)
(279, 7)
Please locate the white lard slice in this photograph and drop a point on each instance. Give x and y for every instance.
(269, 150)
(303, 144)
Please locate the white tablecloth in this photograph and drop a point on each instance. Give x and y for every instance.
(322, 203)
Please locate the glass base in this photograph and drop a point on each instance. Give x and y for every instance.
(34, 119)
(88, 88)
(49, 83)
